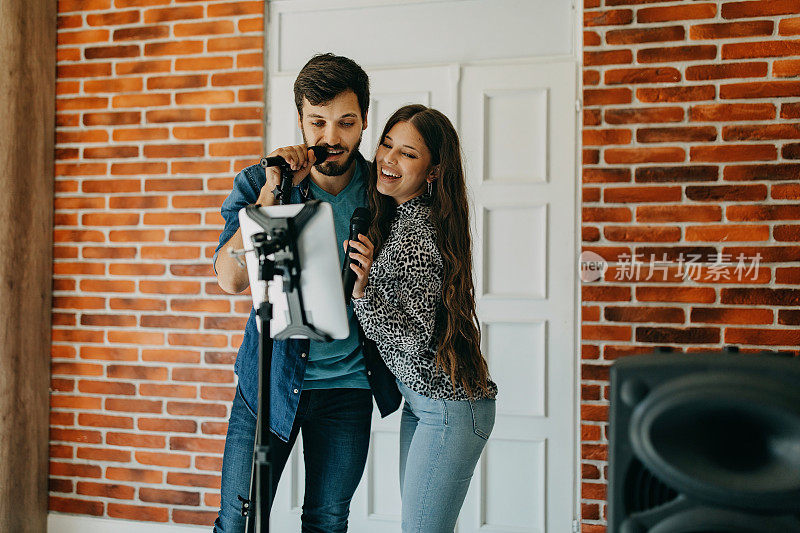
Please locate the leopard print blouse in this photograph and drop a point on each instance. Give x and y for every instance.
(399, 305)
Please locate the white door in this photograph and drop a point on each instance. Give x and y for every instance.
(504, 71)
(518, 131)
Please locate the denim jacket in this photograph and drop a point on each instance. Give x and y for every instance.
(289, 356)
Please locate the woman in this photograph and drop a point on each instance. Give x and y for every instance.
(417, 302)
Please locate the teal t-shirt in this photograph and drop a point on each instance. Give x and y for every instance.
(339, 363)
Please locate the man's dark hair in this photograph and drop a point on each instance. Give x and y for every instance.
(325, 76)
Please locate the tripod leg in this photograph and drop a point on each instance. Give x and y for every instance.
(260, 492)
(247, 505)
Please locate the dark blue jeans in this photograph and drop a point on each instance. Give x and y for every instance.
(336, 427)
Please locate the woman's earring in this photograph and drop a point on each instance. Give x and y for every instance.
(430, 188)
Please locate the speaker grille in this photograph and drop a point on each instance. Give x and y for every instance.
(644, 491)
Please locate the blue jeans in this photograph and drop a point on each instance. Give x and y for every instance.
(336, 427)
(440, 444)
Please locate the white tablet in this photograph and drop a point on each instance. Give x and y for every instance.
(320, 277)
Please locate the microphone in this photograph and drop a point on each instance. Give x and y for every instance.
(284, 190)
(359, 223)
(320, 155)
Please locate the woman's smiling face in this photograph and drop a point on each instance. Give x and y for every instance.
(403, 163)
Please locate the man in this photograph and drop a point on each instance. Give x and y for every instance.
(324, 390)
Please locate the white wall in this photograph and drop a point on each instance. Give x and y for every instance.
(66, 523)
(381, 33)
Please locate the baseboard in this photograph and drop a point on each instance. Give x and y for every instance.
(70, 523)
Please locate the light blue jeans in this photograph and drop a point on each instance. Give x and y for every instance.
(440, 444)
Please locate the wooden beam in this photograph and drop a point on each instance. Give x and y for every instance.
(27, 115)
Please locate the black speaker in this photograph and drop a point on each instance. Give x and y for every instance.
(704, 443)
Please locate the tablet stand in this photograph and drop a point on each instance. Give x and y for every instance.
(278, 240)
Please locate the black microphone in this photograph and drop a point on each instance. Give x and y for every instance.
(359, 223)
(284, 190)
(320, 155)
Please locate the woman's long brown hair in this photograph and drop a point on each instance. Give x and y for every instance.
(457, 325)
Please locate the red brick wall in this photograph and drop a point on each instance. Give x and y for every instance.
(690, 144)
(159, 104)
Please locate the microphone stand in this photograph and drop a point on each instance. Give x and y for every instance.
(278, 240)
(256, 508)
(283, 191)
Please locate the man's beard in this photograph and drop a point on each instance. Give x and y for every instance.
(336, 168)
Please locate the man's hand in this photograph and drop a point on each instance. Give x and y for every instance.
(299, 157)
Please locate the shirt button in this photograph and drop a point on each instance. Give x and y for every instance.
(303, 354)
(296, 391)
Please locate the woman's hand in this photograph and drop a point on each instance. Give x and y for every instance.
(363, 254)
